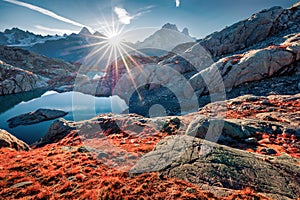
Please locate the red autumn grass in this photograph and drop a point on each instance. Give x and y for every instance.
(60, 175)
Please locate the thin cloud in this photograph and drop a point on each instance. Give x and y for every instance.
(177, 2)
(54, 30)
(46, 12)
(146, 9)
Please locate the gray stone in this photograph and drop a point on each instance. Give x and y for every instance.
(58, 130)
(102, 155)
(202, 162)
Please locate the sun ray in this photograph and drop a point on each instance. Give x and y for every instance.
(135, 50)
(96, 51)
(129, 74)
(132, 59)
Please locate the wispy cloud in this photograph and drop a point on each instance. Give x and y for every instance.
(125, 18)
(177, 2)
(123, 15)
(45, 12)
(54, 30)
(146, 9)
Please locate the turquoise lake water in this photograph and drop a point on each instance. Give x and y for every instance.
(79, 107)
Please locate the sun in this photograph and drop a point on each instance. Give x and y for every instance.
(115, 40)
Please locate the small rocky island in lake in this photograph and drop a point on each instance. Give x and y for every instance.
(37, 116)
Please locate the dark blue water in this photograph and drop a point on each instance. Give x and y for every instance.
(79, 106)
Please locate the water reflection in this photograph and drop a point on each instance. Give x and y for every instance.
(80, 107)
(9, 101)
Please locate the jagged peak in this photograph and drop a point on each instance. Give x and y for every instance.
(185, 31)
(170, 26)
(97, 33)
(85, 31)
(14, 29)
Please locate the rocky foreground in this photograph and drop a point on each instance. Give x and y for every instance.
(256, 154)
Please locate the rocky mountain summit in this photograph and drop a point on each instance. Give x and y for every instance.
(255, 30)
(166, 38)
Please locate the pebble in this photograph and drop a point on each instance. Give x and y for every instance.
(268, 151)
(251, 99)
(21, 184)
(190, 190)
(265, 102)
(142, 121)
(102, 155)
(272, 93)
(251, 140)
(123, 142)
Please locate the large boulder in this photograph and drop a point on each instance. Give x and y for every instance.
(251, 66)
(189, 57)
(10, 141)
(14, 80)
(58, 130)
(201, 162)
(37, 116)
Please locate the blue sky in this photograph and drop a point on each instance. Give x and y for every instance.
(202, 17)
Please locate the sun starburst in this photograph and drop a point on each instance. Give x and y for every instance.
(110, 52)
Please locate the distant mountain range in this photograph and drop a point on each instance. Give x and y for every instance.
(18, 37)
(76, 47)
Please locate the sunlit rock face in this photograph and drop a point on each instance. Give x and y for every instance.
(23, 71)
(253, 65)
(9, 141)
(15, 80)
(256, 29)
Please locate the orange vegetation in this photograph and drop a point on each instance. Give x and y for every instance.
(52, 173)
